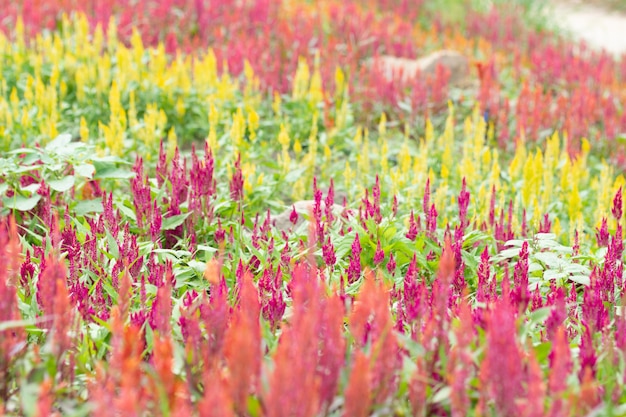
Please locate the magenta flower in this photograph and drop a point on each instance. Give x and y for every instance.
(354, 268)
(391, 264)
(379, 255)
(617, 205)
(463, 200)
(413, 229)
(328, 253)
(236, 182)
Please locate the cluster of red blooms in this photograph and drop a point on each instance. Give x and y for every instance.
(221, 330)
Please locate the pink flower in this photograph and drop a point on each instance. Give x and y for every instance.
(379, 255)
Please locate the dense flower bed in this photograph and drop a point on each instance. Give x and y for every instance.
(153, 260)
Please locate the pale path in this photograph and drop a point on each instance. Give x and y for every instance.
(598, 27)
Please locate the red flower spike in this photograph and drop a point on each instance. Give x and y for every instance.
(501, 370)
(47, 286)
(460, 362)
(296, 357)
(63, 319)
(165, 379)
(243, 343)
(379, 255)
(358, 392)
(46, 400)
(560, 367)
(463, 201)
(534, 405)
(216, 401)
(370, 322)
(413, 228)
(391, 264)
(617, 205)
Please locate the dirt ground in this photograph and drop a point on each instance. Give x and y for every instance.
(598, 25)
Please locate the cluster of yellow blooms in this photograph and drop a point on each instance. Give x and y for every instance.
(101, 71)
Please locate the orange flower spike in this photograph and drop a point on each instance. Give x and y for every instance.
(242, 347)
(358, 391)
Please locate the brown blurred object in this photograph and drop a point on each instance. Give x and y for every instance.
(406, 69)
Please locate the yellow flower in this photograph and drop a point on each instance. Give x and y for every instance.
(84, 130)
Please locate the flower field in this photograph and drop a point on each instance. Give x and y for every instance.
(226, 208)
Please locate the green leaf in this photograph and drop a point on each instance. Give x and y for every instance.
(110, 170)
(293, 175)
(114, 248)
(20, 203)
(206, 248)
(442, 395)
(128, 212)
(539, 315)
(580, 279)
(88, 206)
(85, 170)
(63, 184)
(173, 222)
(59, 142)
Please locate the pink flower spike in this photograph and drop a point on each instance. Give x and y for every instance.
(617, 205)
(391, 265)
(293, 217)
(379, 255)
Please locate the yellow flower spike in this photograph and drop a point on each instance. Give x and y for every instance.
(441, 195)
(384, 160)
(283, 137)
(299, 189)
(528, 181)
(98, 40)
(84, 130)
(80, 78)
(405, 158)
(172, 144)
(62, 90)
(446, 161)
(316, 93)
(112, 36)
(137, 47)
(180, 107)
(486, 157)
(382, 126)
(253, 123)
(518, 162)
(467, 127)
(25, 121)
(576, 223)
(104, 74)
(484, 201)
(358, 136)
(363, 158)
(212, 140)
(297, 147)
(342, 116)
(301, 79)
(604, 193)
(276, 104)
(348, 177)
(565, 173)
(429, 132)
(340, 83)
(556, 226)
(132, 111)
(259, 179)
(286, 161)
(15, 101)
(19, 34)
(327, 153)
(537, 214)
(574, 202)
